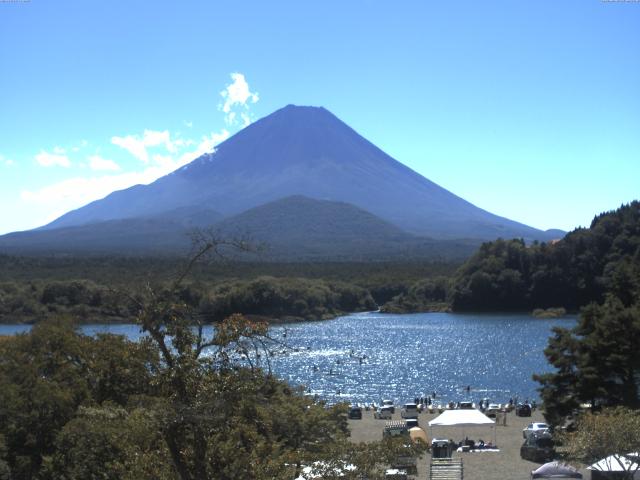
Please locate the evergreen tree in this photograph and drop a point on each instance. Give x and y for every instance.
(597, 362)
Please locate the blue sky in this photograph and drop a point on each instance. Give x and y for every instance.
(528, 109)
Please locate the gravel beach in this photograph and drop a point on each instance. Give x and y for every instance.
(503, 465)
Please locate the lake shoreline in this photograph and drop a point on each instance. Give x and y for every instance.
(544, 314)
(367, 356)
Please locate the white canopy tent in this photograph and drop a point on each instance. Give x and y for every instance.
(463, 418)
(619, 463)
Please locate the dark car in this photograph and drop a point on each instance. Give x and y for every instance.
(355, 413)
(523, 410)
(538, 447)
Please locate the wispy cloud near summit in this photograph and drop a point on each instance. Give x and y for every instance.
(157, 153)
(237, 100)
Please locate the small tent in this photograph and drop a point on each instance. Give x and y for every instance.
(556, 470)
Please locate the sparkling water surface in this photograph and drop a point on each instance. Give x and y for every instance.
(366, 357)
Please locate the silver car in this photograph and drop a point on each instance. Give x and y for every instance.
(535, 427)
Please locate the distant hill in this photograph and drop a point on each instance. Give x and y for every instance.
(156, 234)
(293, 228)
(303, 228)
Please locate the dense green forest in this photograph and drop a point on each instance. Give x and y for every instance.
(502, 275)
(103, 290)
(570, 273)
(597, 363)
(274, 298)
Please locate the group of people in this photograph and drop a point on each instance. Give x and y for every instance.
(428, 400)
(479, 445)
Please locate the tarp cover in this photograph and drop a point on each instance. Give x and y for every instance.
(556, 470)
(461, 418)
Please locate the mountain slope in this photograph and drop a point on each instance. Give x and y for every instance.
(305, 151)
(161, 233)
(293, 228)
(298, 227)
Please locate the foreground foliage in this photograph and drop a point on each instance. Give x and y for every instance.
(175, 405)
(611, 433)
(598, 362)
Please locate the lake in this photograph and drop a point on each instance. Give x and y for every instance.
(365, 357)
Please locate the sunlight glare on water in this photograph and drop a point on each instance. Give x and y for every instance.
(366, 357)
(369, 356)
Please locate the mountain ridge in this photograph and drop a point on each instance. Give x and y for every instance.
(305, 151)
(299, 179)
(293, 228)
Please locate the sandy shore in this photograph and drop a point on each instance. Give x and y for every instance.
(503, 465)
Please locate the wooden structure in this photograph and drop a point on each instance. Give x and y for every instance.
(446, 469)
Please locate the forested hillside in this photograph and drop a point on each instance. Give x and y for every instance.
(570, 273)
(273, 298)
(98, 289)
(597, 362)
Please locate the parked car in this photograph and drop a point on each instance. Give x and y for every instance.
(538, 447)
(355, 413)
(523, 410)
(492, 410)
(410, 410)
(383, 413)
(535, 427)
(389, 403)
(412, 422)
(466, 406)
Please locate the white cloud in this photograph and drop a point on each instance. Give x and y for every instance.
(208, 143)
(6, 161)
(75, 192)
(160, 153)
(133, 145)
(237, 95)
(96, 162)
(137, 145)
(52, 159)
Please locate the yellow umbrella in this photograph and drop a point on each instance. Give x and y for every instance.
(418, 434)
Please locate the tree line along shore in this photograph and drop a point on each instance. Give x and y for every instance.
(504, 275)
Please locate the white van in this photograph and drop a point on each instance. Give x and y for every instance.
(410, 410)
